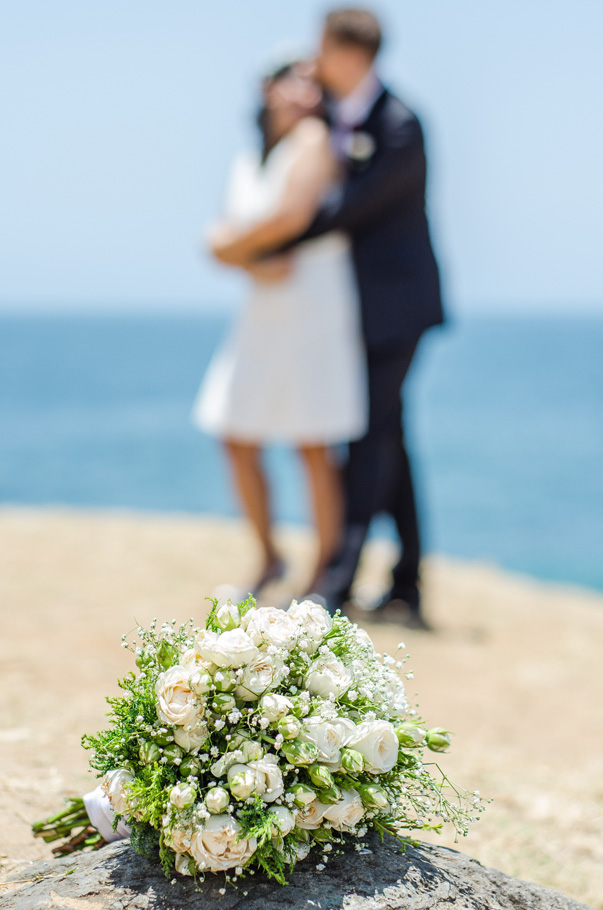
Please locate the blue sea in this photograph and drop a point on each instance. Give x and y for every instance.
(505, 421)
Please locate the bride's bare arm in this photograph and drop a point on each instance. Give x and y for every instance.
(309, 176)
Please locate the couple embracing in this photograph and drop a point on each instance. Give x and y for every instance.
(328, 219)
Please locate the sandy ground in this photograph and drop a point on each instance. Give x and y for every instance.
(514, 667)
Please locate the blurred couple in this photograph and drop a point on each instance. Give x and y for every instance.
(328, 219)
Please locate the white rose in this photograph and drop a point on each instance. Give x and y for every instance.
(176, 702)
(217, 799)
(242, 781)
(284, 821)
(345, 814)
(182, 795)
(377, 742)
(328, 676)
(252, 750)
(328, 736)
(269, 778)
(231, 649)
(264, 673)
(262, 777)
(275, 706)
(313, 620)
(179, 839)
(216, 847)
(115, 785)
(271, 626)
(191, 738)
(311, 816)
(182, 864)
(301, 850)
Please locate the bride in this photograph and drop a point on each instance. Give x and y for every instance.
(292, 367)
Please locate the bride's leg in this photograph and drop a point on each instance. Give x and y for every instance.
(324, 479)
(252, 488)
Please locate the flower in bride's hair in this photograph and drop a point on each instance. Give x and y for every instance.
(271, 626)
(314, 623)
(176, 702)
(230, 649)
(218, 845)
(116, 785)
(327, 675)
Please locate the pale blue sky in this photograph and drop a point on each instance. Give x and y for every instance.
(119, 118)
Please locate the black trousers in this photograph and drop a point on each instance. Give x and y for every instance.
(378, 479)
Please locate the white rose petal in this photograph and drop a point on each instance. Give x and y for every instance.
(270, 626)
(230, 649)
(327, 675)
(182, 795)
(191, 738)
(182, 864)
(263, 674)
(242, 781)
(284, 821)
(345, 814)
(115, 785)
(311, 816)
(275, 706)
(328, 736)
(176, 702)
(215, 846)
(314, 623)
(377, 742)
(269, 778)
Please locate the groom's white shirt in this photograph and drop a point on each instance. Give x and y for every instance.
(353, 109)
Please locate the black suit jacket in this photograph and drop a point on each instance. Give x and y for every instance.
(381, 205)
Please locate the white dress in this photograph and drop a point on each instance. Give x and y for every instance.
(292, 368)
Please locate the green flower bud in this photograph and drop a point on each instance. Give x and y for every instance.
(190, 766)
(289, 727)
(298, 753)
(410, 736)
(223, 703)
(228, 616)
(330, 795)
(438, 739)
(224, 680)
(173, 753)
(143, 659)
(304, 795)
(321, 776)
(200, 682)
(373, 797)
(352, 761)
(300, 707)
(164, 739)
(167, 655)
(149, 752)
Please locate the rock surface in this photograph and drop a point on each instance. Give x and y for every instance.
(382, 878)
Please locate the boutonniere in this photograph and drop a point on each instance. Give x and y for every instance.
(360, 148)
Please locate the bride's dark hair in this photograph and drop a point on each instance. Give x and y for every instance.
(282, 71)
(262, 117)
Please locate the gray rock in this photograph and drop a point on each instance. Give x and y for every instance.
(382, 878)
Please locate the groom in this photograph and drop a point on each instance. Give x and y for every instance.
(381, 206)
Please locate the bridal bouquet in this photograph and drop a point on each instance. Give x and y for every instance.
(263, 736)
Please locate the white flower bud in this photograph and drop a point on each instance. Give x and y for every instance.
(217, 799)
